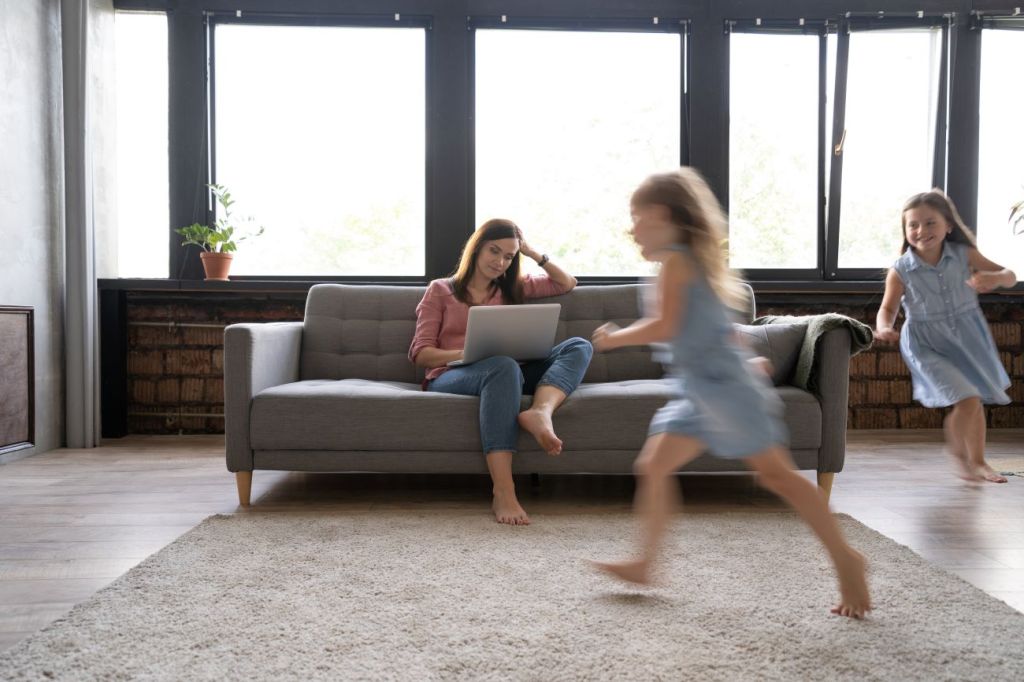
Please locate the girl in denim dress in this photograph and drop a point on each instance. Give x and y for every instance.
(945, 340)
(723, 402)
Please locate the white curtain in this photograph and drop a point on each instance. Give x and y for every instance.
(80, 312)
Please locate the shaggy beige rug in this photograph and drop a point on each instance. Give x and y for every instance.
(1007, 466)
(452, 595)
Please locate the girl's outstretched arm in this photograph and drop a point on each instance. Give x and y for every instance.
(889, 308)
(675, 274)
(988, 275)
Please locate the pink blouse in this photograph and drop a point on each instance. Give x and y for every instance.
(441, 318)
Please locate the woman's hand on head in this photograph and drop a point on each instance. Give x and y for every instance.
(526, 249)
(602, 337)
(887, 336)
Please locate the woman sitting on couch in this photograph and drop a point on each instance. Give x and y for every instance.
(488, 274)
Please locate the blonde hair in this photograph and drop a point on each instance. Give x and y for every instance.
(695, 210)
(938, 200)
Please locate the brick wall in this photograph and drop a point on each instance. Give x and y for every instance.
(880, 386)
(175, 370)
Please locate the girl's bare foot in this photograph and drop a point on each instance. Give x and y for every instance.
(631, 571)
(854, 600)
(987, 473)
(539, 425)
(963, 468)
(508, 510)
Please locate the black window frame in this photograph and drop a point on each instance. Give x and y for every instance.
(213, 18)
(940, 147)
(447, 181)
(829, 199)
(997, 20)
(678, 24)
(820, 26)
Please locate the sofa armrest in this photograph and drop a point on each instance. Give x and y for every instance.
(833, 382)
(256, 357)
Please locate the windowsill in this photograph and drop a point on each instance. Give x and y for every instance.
(783, 287)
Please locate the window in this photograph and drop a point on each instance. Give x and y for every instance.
(140, 56)
(888, 144)
(568, 123)
(774, 150)
(320, 137)
(1000, 167)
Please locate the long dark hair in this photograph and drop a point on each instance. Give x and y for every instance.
(937, 199)
(510, 282)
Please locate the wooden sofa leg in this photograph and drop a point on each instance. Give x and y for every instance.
(825, 483)
(244, 481)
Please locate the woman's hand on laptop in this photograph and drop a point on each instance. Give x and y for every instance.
(602, 337)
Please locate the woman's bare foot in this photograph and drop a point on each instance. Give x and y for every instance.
(508, 510)
(855, 601)
(538, 423)
(987, 473)
(631, 571)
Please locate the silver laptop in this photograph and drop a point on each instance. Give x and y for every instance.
(521, 332)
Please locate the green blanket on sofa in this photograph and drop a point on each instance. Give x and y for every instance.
(817, 325)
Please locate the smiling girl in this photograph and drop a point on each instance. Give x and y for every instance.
(945, 340)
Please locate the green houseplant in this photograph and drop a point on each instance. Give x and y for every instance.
(1017, 217)
(220, 240)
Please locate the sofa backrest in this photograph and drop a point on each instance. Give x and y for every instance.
(359, 332)
(364, 331)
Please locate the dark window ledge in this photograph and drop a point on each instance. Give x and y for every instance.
(241, 285)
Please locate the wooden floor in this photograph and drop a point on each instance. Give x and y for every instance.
(71, 521)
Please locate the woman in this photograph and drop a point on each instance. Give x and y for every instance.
(488, 274)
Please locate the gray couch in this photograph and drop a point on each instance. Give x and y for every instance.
(337, 393)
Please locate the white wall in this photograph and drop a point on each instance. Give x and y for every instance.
(31, 191)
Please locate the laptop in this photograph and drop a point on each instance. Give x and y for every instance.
(521, 332)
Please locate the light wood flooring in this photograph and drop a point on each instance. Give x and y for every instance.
(71, 521)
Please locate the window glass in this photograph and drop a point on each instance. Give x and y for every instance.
(568, 123)
(891, 99)
(773, 151)
(1001, 153)
(320, 138)
(140, 56)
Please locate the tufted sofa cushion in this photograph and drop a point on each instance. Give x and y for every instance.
(357, 332)
(780, 343)
(354, 332)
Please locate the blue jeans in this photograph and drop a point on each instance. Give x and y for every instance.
(501, 382)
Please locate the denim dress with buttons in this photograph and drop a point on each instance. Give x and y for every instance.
(720, 398)
(946, 341)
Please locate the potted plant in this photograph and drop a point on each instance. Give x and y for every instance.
(1017, 217)
(220, 240)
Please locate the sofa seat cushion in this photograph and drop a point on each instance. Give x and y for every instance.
(360, 414)
(615, 415)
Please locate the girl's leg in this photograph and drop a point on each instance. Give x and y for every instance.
(957, 446)
(657, 494)
(968, 423)
(555, 377)
(776, 473)
(499, 383)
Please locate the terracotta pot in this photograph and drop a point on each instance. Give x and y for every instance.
(216, 265)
